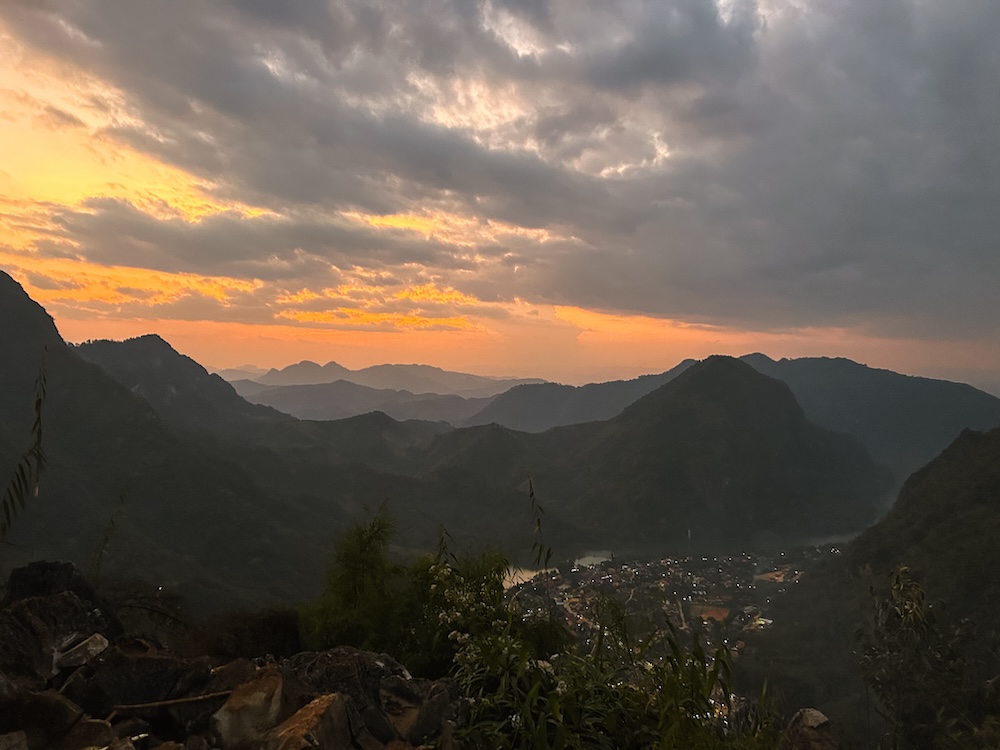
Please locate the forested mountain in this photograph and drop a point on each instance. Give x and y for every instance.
(231, 497)
(943, 526)
(343, 398)
(192, 515)
(541, 406)
(412, 378)
(724, 453)
(903, 421)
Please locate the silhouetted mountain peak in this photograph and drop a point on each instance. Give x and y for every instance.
(725, 383)
(179, 388)
(25, 322)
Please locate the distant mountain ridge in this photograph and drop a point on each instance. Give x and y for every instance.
(413, 378)
(542, 406)
(720, 451)
(903, 420)
(341, 399)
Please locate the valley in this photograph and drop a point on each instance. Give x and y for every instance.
(709, 480)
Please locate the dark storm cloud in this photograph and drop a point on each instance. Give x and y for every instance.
(269, 248)
(827, 163)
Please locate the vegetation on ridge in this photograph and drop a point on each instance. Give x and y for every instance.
(528, 682)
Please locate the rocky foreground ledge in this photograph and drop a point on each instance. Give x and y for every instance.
(72, 678)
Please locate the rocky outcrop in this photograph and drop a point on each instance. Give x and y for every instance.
(809, 729)
(70, 678)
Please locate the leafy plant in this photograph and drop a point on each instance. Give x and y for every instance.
(109, 532)
(527, 681)
(928, 685)
(29, 468)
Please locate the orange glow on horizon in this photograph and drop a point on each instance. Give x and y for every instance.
(343, 316)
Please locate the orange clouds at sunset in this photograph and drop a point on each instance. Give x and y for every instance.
(532, 205)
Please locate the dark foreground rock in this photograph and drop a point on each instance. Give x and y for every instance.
(810, 730)
(70, 679)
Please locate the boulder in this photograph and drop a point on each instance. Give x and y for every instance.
(88, 733)
(47, 578)
(133, 671)
(322, 723)
(45, 718)
(35, 630)
(809, 729)
(14, 741)
(82, 652)
(391, 704)
(252, 711)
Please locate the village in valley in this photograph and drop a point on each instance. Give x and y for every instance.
(720, 597)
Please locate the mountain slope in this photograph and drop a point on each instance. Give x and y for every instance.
(192, 517)
(539, 407)
(729, 455)
(186, 396)
(943, 525)
(149, 367)
(342, 399)
(904, 421)
(412, 378)
(720, 450)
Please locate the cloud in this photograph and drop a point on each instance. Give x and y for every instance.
(773, 164)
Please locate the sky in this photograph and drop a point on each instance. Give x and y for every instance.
(569, 189)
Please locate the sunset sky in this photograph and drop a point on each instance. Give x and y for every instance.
(569, 189)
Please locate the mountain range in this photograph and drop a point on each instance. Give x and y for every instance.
(414, 378)
(903, 421)
(238, 502)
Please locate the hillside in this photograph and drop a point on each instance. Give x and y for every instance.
(541, 406)
(728, 455)
(943, 525)
(412, 378)
(342, 398)
(176, 385)
(192, 516)
(720, 451)
(903, 421)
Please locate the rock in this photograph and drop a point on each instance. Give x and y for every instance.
(88, 733)
(809, 729)
(132, 727)
(322, 723)
(46, 578)
(194, 742)
(34, 629)
(251, 711)
(440, 707)
(400, 704)
(196, 717)
(132, 671)
(228, 676)
(14, 741)
(45, 718)
(391, 704)
(82, 652)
